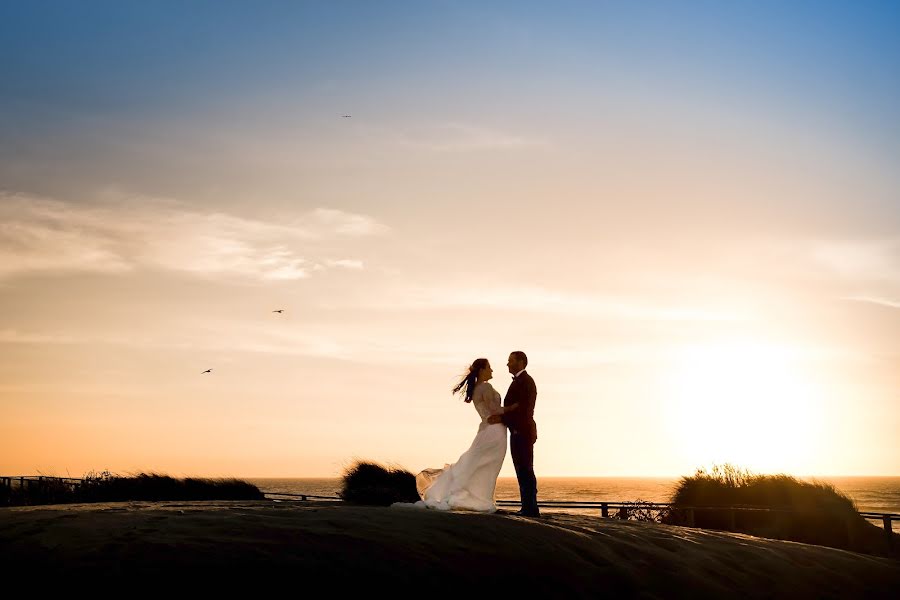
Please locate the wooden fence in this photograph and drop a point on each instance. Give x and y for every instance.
(23, 481)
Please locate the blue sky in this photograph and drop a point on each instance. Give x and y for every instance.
(159, 56)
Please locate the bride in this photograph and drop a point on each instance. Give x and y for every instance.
(470, 482)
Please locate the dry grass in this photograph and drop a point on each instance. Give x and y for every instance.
(369, 483)
(108, 487)
(812, 512)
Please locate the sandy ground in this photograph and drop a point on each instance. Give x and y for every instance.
(413, 553)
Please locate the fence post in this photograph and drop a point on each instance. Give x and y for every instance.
(888, 530)
(604, 510)
(623, 513)
(731, 526)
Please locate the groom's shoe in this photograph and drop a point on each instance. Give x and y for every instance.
(522, 513)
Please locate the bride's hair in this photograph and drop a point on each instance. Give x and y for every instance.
(467, 385)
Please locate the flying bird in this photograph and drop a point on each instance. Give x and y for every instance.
(346, 116)
(207, 371)
(280, 310)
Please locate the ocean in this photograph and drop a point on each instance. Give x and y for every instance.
(875, 494)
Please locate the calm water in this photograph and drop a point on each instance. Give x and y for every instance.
(876, 494)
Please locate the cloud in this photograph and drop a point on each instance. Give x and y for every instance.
(40, 234)
(347, 223)
(873, 300)
(45, 235)
(874, 260)
(457, 137)
(540, 300)
(252, 338)
(13, 336)
(225, 337)
(345, 263)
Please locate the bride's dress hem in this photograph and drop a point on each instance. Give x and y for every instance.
(421, 504)
(469, 483)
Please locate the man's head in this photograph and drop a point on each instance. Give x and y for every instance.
(517, 361)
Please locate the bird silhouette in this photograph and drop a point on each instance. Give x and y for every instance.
(346, 116)
(207, 371)
(280, 310)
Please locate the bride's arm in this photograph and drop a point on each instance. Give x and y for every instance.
(497, 417)
(478, 396)
(505, 410)
(498, 414)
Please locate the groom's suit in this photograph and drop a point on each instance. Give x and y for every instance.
(522, 436)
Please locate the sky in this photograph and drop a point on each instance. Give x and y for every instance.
(685, 214)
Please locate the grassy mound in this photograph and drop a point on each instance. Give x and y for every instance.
(107, 487)
(372, 484)
(151, 486)
(810, 512)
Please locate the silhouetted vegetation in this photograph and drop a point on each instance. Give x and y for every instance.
(640, 510)
(810, 512)
(373, 484)
(107, 487)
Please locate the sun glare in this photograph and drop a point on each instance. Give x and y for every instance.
(747, 403)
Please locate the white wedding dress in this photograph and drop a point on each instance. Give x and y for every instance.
(470, 482)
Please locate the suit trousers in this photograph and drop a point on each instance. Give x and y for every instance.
(522, 449)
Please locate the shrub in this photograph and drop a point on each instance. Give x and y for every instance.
(811, 512)
(640, 510)
(369, 483)
(107, 487)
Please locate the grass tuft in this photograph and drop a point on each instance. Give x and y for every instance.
(104, 486)
(812, 512)
(369, 483)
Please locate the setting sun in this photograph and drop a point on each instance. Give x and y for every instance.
(748, 403)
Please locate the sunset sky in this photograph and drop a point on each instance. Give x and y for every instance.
(686, 214)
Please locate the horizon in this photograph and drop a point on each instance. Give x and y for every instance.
(666, 477)
(502, 476)
(687, 217)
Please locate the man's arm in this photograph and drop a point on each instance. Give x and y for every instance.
(508, 415)
(500, 417)
(529, 399)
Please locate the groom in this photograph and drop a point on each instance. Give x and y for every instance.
(518, 416)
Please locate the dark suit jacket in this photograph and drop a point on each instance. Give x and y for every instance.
(521, 421)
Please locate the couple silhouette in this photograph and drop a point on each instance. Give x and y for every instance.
(471, 481)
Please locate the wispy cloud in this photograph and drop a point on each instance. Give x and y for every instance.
(874, 300)
(874, 260)
(13, 336)
(223, 338)
(456, 137)
(40, 234)
(45, 235)
(540, 300)
(231, 337)
(345, 263)
(347, 223)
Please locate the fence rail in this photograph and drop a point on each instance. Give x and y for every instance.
(621, 508)
(22, 481)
